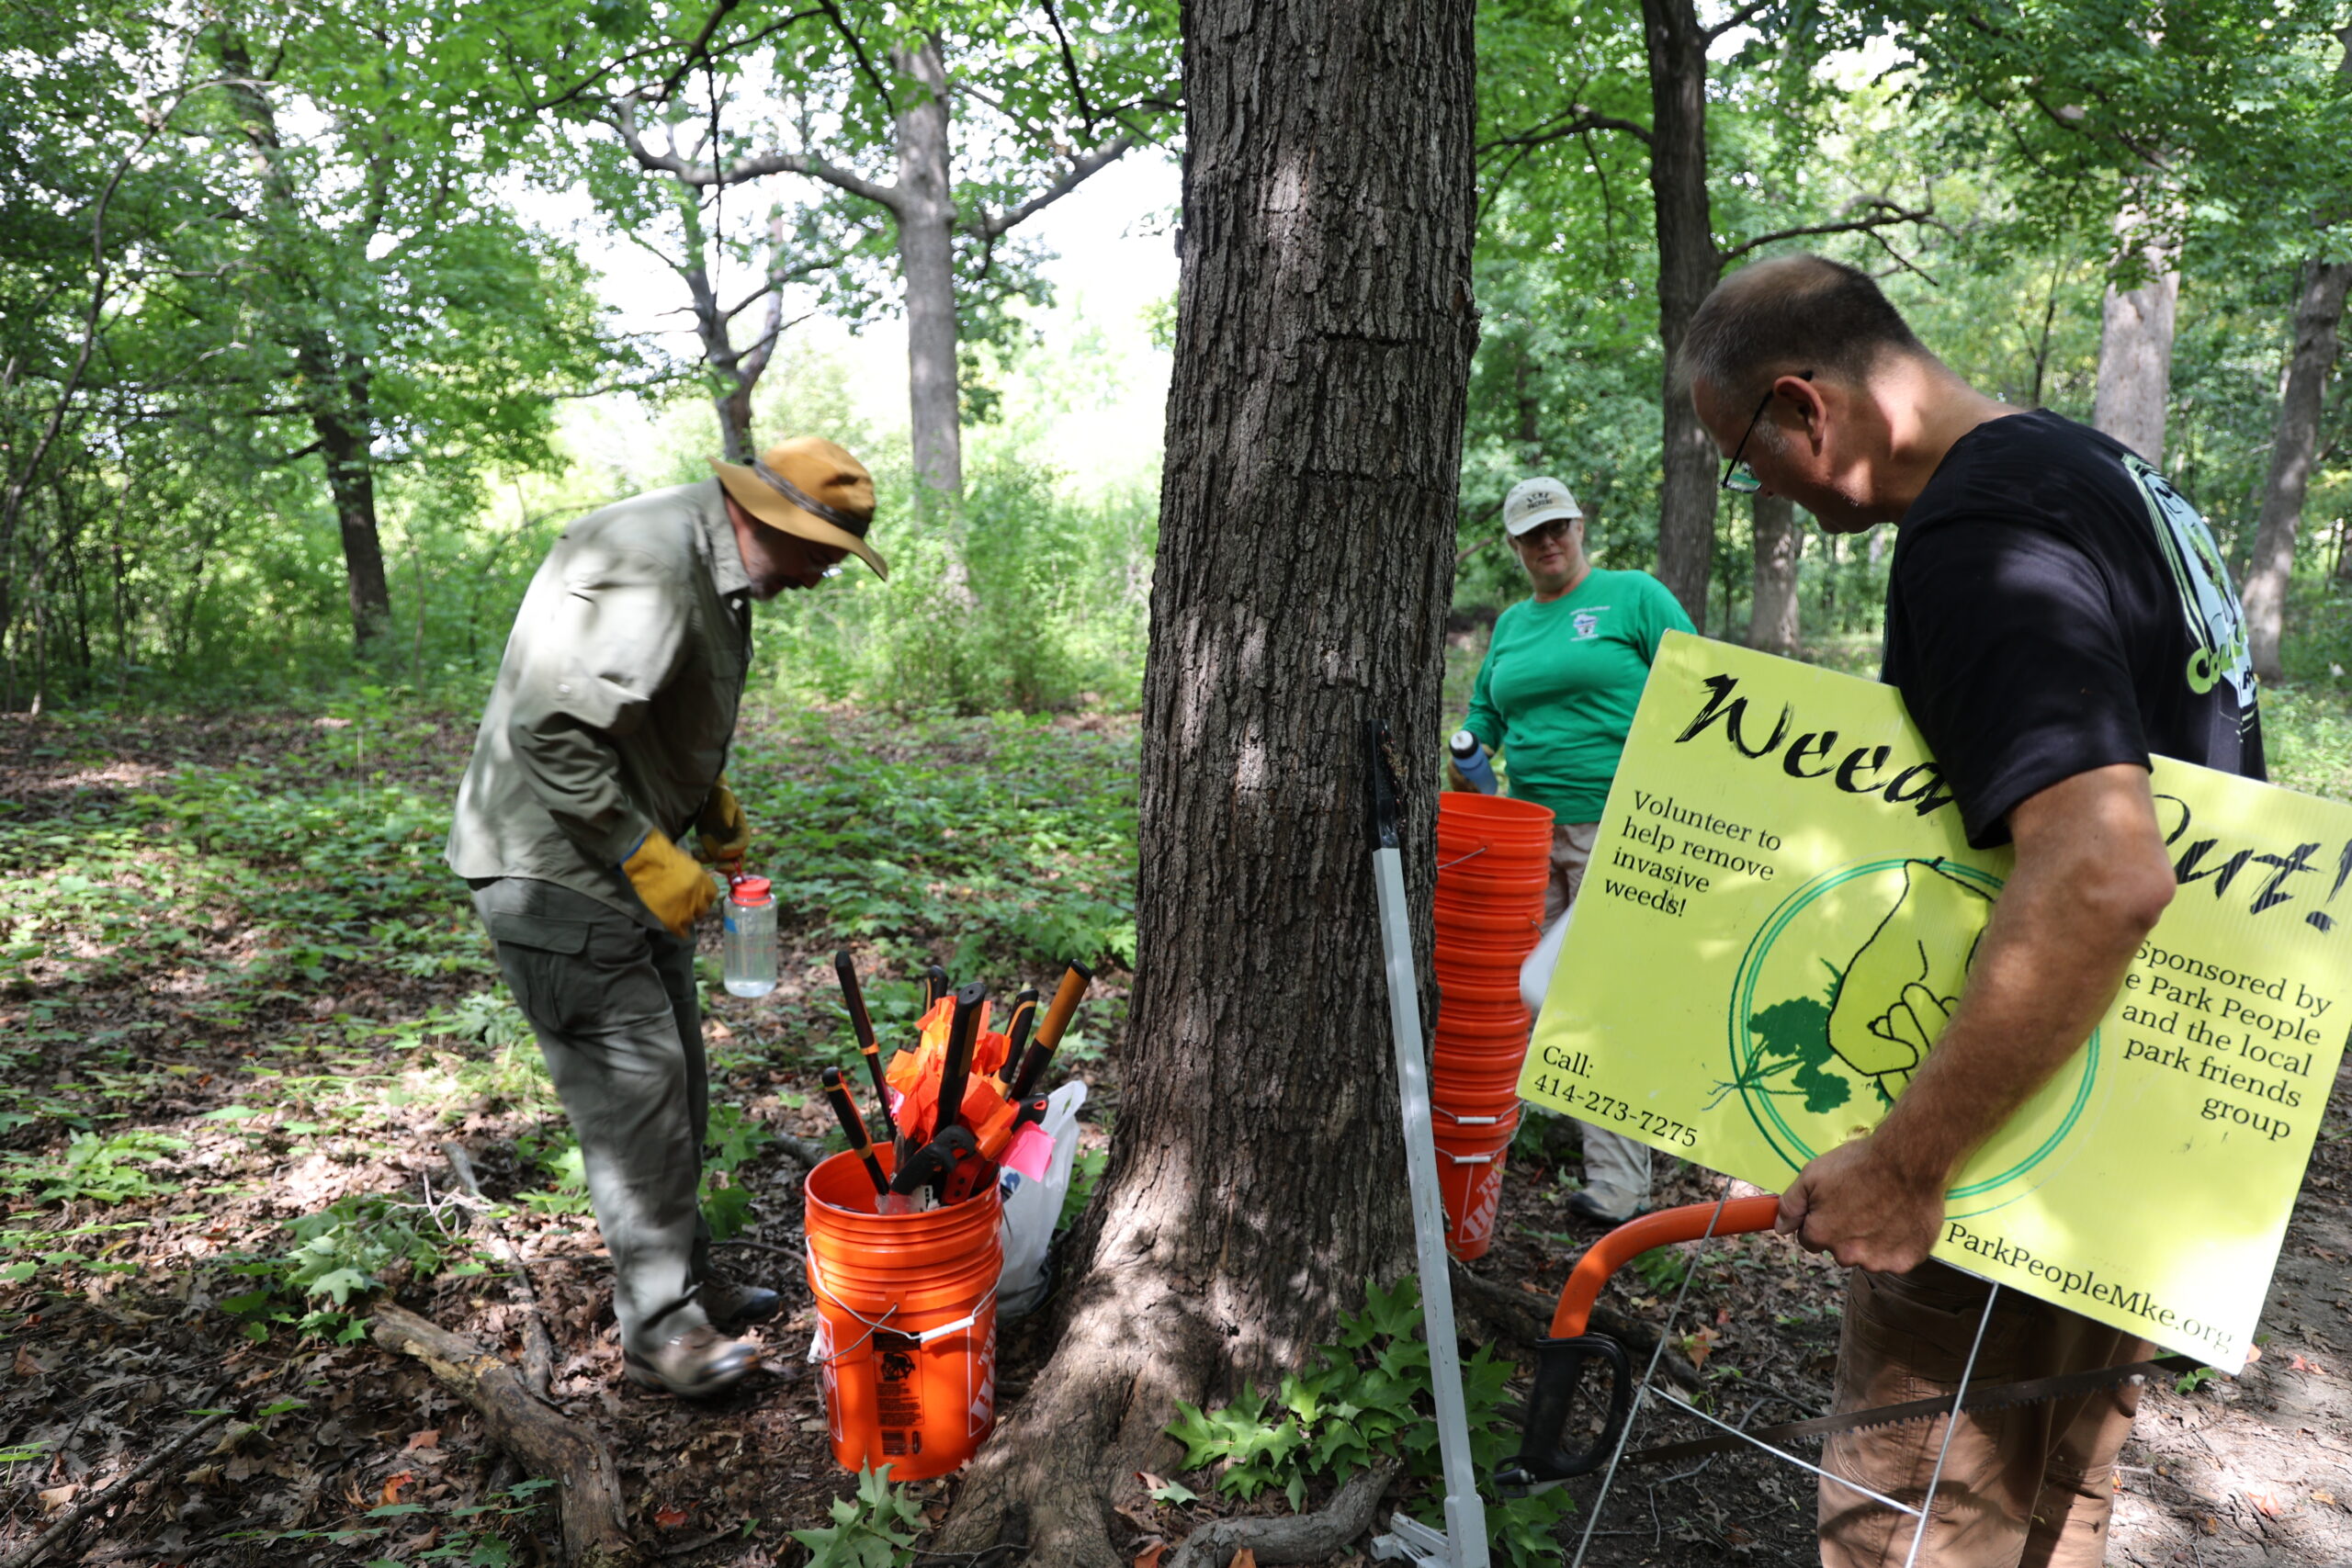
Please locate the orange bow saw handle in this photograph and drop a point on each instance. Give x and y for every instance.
(1561, 1359)
(1635, 1236)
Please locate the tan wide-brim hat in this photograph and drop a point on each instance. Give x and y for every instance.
(811, 488)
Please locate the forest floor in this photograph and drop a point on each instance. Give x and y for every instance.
(243, 1008)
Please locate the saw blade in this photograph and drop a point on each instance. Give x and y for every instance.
(1999, 1397)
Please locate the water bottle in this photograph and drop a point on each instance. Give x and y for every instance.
(750, 937)
(1470, 757)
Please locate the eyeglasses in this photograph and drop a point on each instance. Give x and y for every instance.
(1545, 533)
(1738, 478)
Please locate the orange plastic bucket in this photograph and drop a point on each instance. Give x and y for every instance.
(906, 1322)
(1497, 816)
(1491, 905)
(1476, 983)
(1470, 1178)
(1482, 1018)
(1475, 1087)
(1477, 879)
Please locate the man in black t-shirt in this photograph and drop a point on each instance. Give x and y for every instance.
(2057, 615)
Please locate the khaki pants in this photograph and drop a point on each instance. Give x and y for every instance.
(613, 1004)
(2029, 1487)
(1616, 1169)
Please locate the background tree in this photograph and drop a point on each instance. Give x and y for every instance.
(1314, 444)
(1041, 99)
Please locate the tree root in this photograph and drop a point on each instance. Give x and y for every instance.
(544, 1442)
(1302, 1537)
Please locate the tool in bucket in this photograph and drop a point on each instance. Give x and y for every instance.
(854, 1128)
(1463, 1543)
(966, 1106)
(1573, 1348)
(860, 1024)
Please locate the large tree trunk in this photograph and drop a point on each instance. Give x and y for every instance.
(1688, 265)
(926, 215)
(334, 384)
(2319, 309)
(351, 480)
(1772, 605)
(2135, 344)
(1314, 441)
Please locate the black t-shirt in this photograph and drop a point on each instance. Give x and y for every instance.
(2056, 606)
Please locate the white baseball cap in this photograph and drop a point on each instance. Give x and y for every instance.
(1533, 502)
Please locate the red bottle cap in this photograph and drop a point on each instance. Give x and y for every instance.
(748, 890)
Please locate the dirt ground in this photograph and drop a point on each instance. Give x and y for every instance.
(118, 1334)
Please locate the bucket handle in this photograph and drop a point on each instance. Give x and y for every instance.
(1466, 1121)
(882, 1323)
(1465, 1160)
(1473, 855)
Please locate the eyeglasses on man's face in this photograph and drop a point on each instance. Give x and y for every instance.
(1738, 478)
(1545, 533)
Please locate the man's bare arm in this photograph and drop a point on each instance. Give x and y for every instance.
(2091, 879)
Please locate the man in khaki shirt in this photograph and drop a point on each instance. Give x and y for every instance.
(603, 743)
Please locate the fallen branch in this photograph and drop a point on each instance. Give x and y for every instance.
(538, 1346)
(119, 1489)
(807, 1153)
(1301, 1537)
(545, 1443)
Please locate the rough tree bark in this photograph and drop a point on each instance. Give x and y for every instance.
(1688, 265)
(926, 214)
(1323, 349)
(1773, 619)
(2135, 345)
(2319, 310)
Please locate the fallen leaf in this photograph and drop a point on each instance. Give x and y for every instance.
(1150, 1482)
(428, 1438)
(56, 1497)
(2265, 1504)
(1245, 1557)
(25, 1366)
(393, 1486)
(2324, 1498)
(1149, 1557)
(670, 1519)
(2297, 1364)
(1699, 1345)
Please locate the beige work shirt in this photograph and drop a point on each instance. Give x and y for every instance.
(615, 700)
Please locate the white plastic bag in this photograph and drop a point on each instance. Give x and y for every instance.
(1032, 1207)
(1535, 974)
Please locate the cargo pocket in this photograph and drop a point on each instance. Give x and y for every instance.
(536, 953)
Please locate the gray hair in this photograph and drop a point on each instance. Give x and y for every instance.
(1793, 314)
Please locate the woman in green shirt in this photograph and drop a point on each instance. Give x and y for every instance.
(1562, 674)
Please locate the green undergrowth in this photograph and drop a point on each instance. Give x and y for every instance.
(1367, 1397)
(1011, 837)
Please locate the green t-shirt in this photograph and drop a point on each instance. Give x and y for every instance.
(1560, 684)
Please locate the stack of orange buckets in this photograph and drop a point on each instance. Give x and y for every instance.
(1494, 856)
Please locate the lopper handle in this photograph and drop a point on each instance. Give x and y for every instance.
(1016, 1035)
(1067, 996)
(1630, 1240)
(854, 1126)
(861, 1023)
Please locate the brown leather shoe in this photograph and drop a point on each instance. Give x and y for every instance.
(693, 1365)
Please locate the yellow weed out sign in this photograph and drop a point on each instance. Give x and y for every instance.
(1781, 910)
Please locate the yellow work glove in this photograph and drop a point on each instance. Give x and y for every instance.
(720, 833)
(673, 886)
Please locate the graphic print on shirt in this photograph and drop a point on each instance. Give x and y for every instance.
(2208, 602)
(1587, 622)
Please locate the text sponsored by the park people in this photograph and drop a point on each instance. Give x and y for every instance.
(1780, 915)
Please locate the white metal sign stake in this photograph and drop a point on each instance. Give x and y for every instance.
(1463, 1543)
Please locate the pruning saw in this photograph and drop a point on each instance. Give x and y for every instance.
(1571, 1350)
